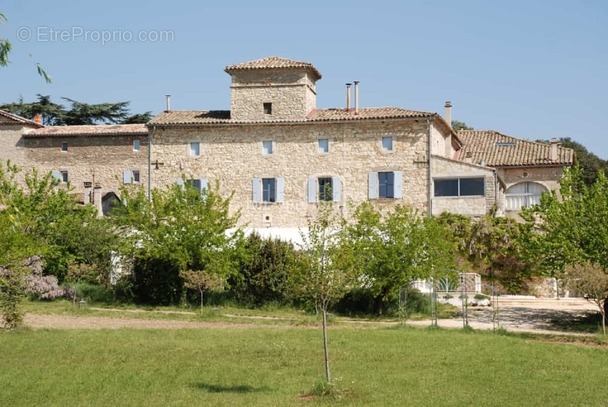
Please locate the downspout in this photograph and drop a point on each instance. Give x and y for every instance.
(430, 168)
(150, 134)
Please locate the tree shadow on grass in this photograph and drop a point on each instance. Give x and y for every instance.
(220, 388)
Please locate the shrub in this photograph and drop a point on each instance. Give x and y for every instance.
(263, 273)
(91, 292)
(157, 281)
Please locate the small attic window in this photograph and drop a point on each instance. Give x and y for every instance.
(267, 108)
(505, 144)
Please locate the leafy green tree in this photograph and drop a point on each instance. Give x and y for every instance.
(264, 270)
(327, 267)
(5, 49)
(398, 247)
(5, 46)
(67, 230)
(78, 113)
(15, 249)
(592, 281)
(571, 227)
(177, 229)
(492, 246)
(202, 281)
(456, 126)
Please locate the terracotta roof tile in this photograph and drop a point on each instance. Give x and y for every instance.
(197, 117)
(365, 113)
(500, 150)
(273, 63)
(90, 130)
(7, 118)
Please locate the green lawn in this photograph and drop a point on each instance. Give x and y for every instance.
(275, 366)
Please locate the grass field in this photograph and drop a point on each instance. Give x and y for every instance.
(278, 366)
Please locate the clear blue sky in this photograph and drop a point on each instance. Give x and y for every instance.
(531, 69)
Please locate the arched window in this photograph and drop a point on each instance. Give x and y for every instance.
(524, 195)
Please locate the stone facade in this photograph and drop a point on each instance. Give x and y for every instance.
(100, 160)
(275, 138)
(289, 95)
(233, 156)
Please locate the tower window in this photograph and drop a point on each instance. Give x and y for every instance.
(267, 108)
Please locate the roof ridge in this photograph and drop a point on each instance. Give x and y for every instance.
(19, 119)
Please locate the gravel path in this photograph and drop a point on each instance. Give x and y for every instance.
(538, 315)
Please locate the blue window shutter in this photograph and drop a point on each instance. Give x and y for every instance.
(57, 175)
(280, 189)
(373, 185)
(256, 186)
(180, 182)
(127, 177)
(204, 184)
(336, 188)
(398, 180)
(312, 189)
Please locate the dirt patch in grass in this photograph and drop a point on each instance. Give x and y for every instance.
(39, 321)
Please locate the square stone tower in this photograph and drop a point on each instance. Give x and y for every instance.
(272, 89)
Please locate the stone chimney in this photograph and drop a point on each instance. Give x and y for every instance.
(448, 113)
(38, 119)
(97, 200)
(554, 155)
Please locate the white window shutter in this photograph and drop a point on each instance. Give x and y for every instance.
(312, 189)
(336, 188)
(204, 184)
(180, 182)
(57, 175)
(256, 186)
(127, 177)
(398, 184)
(373, 185)
(280, 189)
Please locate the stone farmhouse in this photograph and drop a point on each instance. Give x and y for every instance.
(280, 155)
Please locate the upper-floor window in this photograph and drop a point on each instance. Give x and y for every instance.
(385, 184)
(460, 186)
(195, 149)
(136, 146)
(323, 145)
(267, 108)
(268, 190)
(64, 146)
(267, 147)
(387, 143)
(130, 177)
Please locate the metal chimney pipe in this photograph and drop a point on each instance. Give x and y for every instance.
(168, 99)
(356, 96)
(448, 113)
(348, 96)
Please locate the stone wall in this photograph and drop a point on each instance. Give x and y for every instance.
(549, 177)
(11, 147)
(232, 155)
(467, 205)
(291, 92)
(97, 159)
